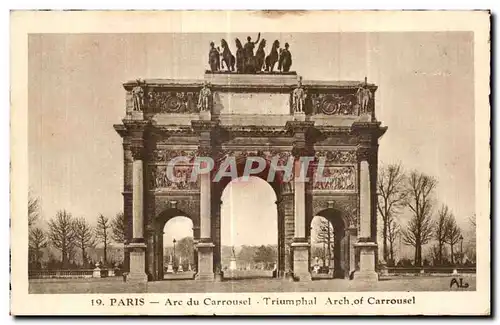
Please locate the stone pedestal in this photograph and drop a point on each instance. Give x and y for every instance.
(366, 262)
(137, 263)
(299, 116)
(170, 268)
(96, 273)
(301, 261)
(205, 116)
(232, 264)
(180, 268)
(205, 262)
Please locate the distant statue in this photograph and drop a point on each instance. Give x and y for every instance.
(213, 58)
(204, 98)
(138, 96)
(260, 56)
(272, 58)
(364, 95)
(227, 56)
(285, 60)
(249, 66)
(233, 252)
(240, 56)
(299, 97)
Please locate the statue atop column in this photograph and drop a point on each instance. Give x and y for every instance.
(138, 96)
(285, 60)
(205, 98)
(299, 97)
(364, 95)
(213, 58)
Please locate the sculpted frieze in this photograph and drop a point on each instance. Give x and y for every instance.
(338, 156)
(172, 102)
(166, 155)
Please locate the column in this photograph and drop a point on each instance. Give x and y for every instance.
(300, 245)
(137, 247)
(205, 246)
(366, 245)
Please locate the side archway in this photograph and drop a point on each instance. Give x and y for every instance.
(174, 227)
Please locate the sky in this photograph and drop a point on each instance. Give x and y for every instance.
(75, 95)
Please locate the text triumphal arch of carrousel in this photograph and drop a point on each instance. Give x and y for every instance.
(277, 117)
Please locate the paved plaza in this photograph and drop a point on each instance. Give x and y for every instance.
(116, 285)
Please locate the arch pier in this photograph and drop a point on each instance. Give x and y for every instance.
(243, 116)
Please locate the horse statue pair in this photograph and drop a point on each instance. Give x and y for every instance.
(245, 61)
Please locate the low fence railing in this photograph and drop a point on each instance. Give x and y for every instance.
(398, 270)
(73, 274)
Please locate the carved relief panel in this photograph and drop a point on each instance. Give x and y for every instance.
(171, 102)
(339, 171)
(334, 104)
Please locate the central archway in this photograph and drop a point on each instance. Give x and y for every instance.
(249, 241)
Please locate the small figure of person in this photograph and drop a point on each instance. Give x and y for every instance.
(364, 95)
(285, 59)
(214, 58)
(138, 96)
(204, 98)
(299, 97)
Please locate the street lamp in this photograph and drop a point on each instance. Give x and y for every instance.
(174, 241)
(461, 249)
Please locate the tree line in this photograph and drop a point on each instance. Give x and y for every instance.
(69, 235)
(414, 192)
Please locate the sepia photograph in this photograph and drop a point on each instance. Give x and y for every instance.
(254, 161)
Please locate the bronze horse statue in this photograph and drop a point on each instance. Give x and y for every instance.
(240, 57)
(272, 58)
(227, 56)
(260, 56)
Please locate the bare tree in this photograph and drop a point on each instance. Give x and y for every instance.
(418, 231)
(393, 233)
(440, 232)
(33, 210)
(452, 234)
(391, 198)
(62, 235)
(37, 242)
(118, 228)
(102, 234)
(84, 236)
(472, 220)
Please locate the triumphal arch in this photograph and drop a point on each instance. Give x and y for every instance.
(272, 115)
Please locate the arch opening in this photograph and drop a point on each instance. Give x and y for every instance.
(329, 245)
(249, 240)
(175, 246)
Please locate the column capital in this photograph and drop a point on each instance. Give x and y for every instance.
(366, 153)
(138, 151)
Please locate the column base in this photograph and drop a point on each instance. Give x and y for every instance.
(366, 271)
(205, 262)
(137, 263)
(301, 261)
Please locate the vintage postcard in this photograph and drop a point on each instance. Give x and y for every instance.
(250, 163)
